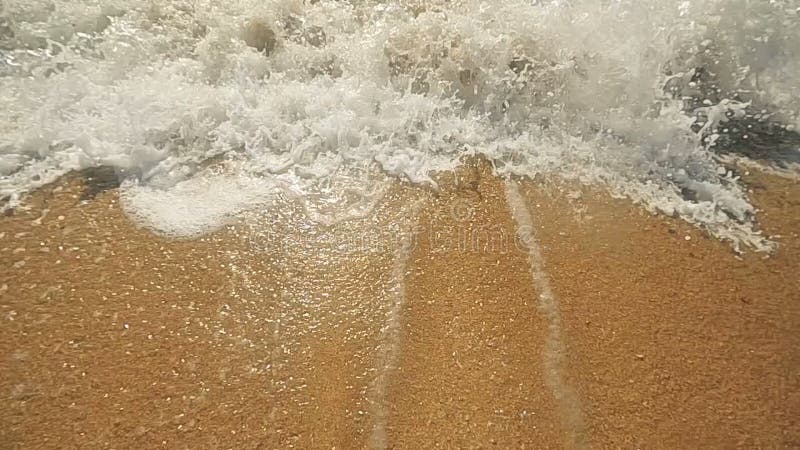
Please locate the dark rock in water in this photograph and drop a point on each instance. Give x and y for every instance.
(520, 65)
(755, 135)
(93, 24)
(258, 35)
(399, 63)
(98, 180)
(467, 77)
(329, 67)
(315, 36)
(5, 28)
(689, 194)
(6, 34)
(760, 139)
(297, 31)
(697, 88)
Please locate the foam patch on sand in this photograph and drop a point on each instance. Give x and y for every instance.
(196, 206)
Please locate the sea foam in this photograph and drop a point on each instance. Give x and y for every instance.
(286, 95)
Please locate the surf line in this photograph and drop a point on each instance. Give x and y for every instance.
(554, 350)
(391, 334)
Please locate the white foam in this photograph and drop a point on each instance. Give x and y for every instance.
(572, 89)
(197, 205)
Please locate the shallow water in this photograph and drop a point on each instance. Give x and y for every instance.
(206, 109)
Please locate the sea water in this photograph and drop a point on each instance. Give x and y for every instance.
(207, 108)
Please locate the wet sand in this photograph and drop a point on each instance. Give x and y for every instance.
(677, 343)
(421, 325)
(470, 371)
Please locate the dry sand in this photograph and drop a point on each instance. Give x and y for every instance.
(422, 325)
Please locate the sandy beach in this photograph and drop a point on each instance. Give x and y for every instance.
(442, 319)
(408, 224)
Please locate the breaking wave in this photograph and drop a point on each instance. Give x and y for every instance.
(206, 108)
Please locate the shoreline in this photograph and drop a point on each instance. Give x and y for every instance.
(114, 336)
